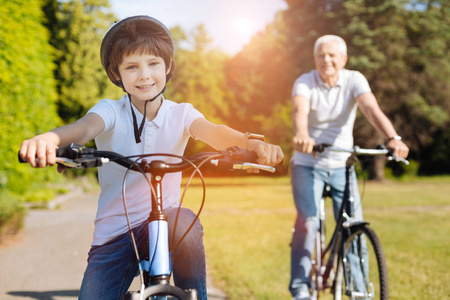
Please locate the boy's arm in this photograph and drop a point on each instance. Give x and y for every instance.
(221, 137)
(43, 146)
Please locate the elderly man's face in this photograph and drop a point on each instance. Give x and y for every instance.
(329, 60)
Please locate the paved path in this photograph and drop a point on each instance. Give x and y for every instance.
(46, 260)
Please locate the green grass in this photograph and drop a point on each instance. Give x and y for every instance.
(247, 224)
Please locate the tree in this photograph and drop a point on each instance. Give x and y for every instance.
(428, 31)
(262, 74)
(199, 76)
(78, 27)
(403, 53)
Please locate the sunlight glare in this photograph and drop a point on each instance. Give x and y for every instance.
(244, 28)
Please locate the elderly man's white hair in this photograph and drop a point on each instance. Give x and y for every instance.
(331, 38)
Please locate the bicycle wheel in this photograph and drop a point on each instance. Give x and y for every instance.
(361, 269)
(163, 292)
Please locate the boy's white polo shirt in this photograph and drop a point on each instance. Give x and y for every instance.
(167, 133)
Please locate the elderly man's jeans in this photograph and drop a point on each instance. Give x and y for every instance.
(308, 184)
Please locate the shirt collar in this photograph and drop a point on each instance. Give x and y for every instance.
(339, 82)
(158, 120)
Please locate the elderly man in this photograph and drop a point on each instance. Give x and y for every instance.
(324, 103)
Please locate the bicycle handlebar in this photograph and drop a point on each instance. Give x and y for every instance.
(79, 157)
(356, 150)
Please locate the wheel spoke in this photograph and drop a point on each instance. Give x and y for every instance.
(362, 272)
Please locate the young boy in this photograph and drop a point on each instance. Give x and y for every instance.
(137, 54)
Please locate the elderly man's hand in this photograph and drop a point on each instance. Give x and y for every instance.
(303, 144)
(399, 148)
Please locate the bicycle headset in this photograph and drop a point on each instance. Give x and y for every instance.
(145, 25)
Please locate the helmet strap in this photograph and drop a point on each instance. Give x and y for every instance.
(138, 130)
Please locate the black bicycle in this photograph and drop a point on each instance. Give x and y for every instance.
(352, 265)
(155, 273)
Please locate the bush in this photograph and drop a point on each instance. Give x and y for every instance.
(28, 93)
(12, 213)
(27, 89)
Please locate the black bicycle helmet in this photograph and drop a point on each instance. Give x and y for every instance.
(144, 25)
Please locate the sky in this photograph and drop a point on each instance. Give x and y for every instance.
(229, 23)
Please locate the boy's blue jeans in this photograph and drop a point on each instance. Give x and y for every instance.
(113, 266)
(307, 185)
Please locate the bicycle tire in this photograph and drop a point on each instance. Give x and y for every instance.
(351, 264)
(163, 292)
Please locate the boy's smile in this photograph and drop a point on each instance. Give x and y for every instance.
(143, 76)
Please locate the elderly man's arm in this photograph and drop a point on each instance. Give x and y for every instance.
(372, 111)
(302, 142)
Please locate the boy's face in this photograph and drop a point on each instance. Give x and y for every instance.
(143, 75)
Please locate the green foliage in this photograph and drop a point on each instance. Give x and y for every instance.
(404, 53)
(27, 89)
(12, 213)
(436, 158)
(81, 80)
(44, 195)
(399, 50)
(199, 77)
(397, 170)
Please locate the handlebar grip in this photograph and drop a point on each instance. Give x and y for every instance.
(20, 158)
(239, 154)
(320, 147)
(71, 151)
(390, 154)
(250, 156)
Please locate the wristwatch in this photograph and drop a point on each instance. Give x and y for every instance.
(253, 136)
(395, 137)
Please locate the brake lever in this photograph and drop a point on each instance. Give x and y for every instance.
(238, 153)
(82, 163)
(399, 159)
(249, 166)
(320, 147)
(390, 155)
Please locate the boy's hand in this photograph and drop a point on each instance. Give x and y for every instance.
(38, 152)
(268, 154)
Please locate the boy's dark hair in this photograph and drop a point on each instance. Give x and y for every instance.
(139, 34)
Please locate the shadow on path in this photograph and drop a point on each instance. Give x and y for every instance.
(45, 295)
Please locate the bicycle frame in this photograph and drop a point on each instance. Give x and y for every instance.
(325, 271)
(349, 238)
(159, 267)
